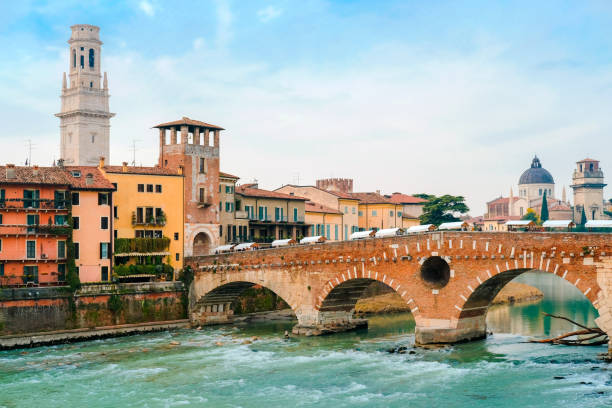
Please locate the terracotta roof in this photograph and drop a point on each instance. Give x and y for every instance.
(503, 219)
(503, 200)
(318, 208)
(559, 207)
(338, 194)
(98, 181)
(587, 160)
(371, 198)
(227, 175)
(247, 191)
(154, 171)
(189, 122)
(31, 175)
(399, 198)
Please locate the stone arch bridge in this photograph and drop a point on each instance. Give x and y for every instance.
(448, 279)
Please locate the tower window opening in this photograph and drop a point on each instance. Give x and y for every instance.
(82, 61)
(93, 138)
(74, 58)
(91, 57)
(591, 166)
(91, 84)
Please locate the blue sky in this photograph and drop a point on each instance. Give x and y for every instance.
(412, 96)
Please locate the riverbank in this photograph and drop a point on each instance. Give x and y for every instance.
(513, 292)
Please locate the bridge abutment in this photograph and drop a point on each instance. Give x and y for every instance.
(204, 314)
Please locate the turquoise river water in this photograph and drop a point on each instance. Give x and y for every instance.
(214, 367)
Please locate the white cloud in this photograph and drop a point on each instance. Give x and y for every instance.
(269, 13)
(198, 43)
(147, 8)
(224, 24)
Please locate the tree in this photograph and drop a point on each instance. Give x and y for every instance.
(583, 218)
(544, 211)
(531, 215)
(442, 209)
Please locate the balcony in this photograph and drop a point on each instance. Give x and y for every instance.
(38, 204)
(127, 247)
(26, 230)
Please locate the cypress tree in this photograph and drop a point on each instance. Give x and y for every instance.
(583, 218)
(544, 212)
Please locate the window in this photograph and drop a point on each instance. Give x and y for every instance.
(202, 165)
(353, 208)
(540, 191)
(149, 188)
(59, 199)
(177, 256)
(295, 215)
(103, 199)
(228, 207)
(104, 223)
(82, 61)
(104, 250)
(2, 196)
(74, 58)
(399, 214)
(149, 215)
(139, 215)
(30, 249)
(93, 137)
(30, 274)
(76, 250)
(158, 234)
(32, 219)
(336, 232)
(176, 236)
(202, 195)
(0, 245)
(91, 58)
(115, 234)
(158, 188)
(104, 274)
(361, 213)
(390, 213)
(31, 198)
(0, 218)
(374, 213)
(75, 198)
(115, 212)
(60, 220)
(328, 234)
(141, 188)
(1, 269)
(61, 272)
(61, 249)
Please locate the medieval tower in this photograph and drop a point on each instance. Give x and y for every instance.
(85, 116)
(588, 185)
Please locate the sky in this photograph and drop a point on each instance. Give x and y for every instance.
(439, 97)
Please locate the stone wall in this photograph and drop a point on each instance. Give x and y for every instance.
(27, 310)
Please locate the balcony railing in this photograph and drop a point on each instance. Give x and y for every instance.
(242, 215)
(154, 221)
(34, 203)
(20, 229)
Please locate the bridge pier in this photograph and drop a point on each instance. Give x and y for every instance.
(438, 331)
(321, 323)
(203, 314)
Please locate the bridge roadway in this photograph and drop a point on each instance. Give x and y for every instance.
(448, 279)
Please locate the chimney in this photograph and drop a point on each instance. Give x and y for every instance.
(10, 172)
(124, 168)
(35, 170)
(378, 192)
(101, 164)
(89, 179)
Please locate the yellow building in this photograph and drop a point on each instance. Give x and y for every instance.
(148, 203)
(234, 224)
(325, 221)
(377, 211)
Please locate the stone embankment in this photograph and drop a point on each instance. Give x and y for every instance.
(393, 303)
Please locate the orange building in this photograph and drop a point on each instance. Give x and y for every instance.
(92, 218)
(34, 231)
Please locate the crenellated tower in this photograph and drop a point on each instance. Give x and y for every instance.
(85, 115)
(588, 184)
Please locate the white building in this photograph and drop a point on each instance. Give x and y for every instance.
(588, 185)
(85, 116)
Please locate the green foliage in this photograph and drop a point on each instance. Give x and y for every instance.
(608, 213)
(442, 209)
(72, 277)
(424, 196)
(583, 218)
(158, 270)
(115, 304)
(531, 215)
(127, 245)
(544, 211)
(186, 276)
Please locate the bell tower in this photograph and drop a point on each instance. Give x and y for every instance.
(85, 116)
(588, 185)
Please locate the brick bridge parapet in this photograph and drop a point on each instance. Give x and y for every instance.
(448, 279)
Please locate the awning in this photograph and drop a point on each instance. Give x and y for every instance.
(389, 232)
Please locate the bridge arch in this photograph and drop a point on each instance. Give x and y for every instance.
(341, 293)
(480, 292)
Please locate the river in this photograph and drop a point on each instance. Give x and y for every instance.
(214, 367)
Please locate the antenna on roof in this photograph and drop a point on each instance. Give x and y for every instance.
(29, 159)
(134, 151)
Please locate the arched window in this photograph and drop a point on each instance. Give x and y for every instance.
(91, 58)
(74, 58)
(82, 61)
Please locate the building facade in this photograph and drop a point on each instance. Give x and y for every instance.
(34, 225)
(85, 115)
(192, 147)
(325, 221)
(91, 203)
(272, 215)
(148, 216)
(234, 222)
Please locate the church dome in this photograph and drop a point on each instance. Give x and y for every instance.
(536, 174)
